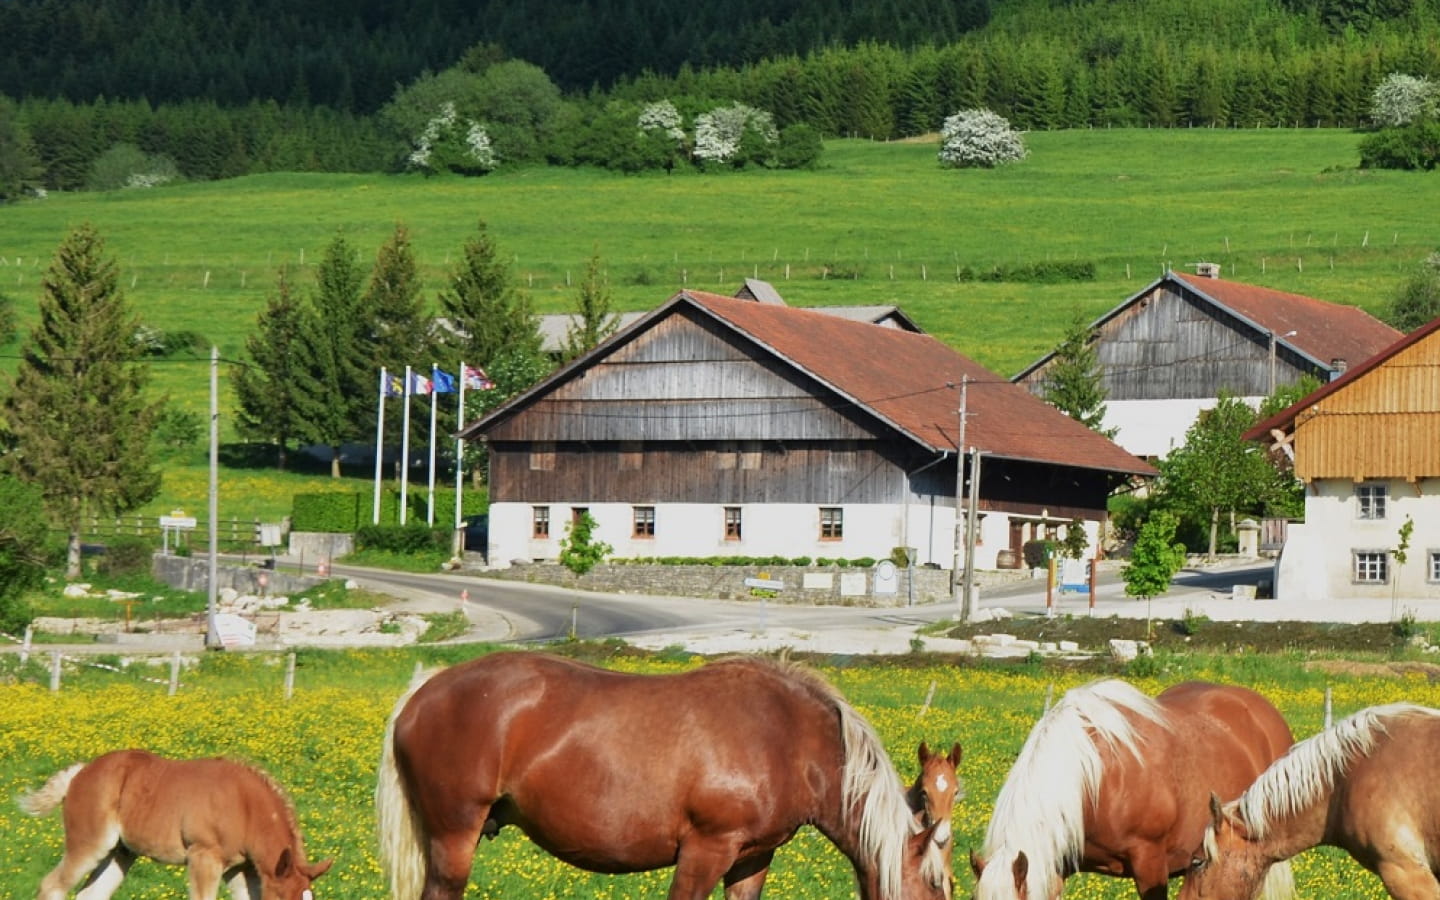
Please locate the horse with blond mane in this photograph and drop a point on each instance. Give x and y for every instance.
(1118, 783)
(219, 818)
(709, 771)
(1367, 786)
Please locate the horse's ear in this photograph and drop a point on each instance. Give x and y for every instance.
(1217, 813)
(284, 864)
(923, 752)
(1021, 871)
(977, 865)
(955, 754)
(316, 870)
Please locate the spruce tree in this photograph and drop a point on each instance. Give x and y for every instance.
(594, 317)
(76, 409)
(267, 381)
(339, 382)
(393, 298)
(486, 314)
(1073, 382)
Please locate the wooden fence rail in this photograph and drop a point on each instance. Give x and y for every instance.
(228, 532)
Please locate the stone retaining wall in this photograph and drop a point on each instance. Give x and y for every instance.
(797, 584)
(193, 574)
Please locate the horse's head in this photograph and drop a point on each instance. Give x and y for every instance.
(1007, 876)
(289, 879)
(935, 791)
(925, 874)
(1230, 863)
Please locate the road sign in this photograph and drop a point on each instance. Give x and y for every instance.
(177, 522)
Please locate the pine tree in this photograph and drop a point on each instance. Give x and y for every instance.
(79, 421)
(266, 383)
(393, 298)
(337, 386)
(1074, 383)
(595, 319)
(486, 314)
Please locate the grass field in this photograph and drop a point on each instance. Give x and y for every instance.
(323, 745)
(877, 223)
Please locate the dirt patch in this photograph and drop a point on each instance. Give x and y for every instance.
(1370, 669)
(1197, 633)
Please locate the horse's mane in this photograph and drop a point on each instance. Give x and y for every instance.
(286, 805)
(1311, 767)
(871, 783)
(1041, 807)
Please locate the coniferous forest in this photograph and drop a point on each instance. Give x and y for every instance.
(223, 89)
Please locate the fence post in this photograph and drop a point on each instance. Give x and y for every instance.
(175, 673)
(25, 645)
(54, 671)
(290, 675)
(1329, 709)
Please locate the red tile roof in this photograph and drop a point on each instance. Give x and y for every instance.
(1323, 331)
(1285, 418)
(912, 382)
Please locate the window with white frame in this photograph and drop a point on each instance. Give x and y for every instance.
(1370, 501)
(832, 523)
(1370, 566)
(644, 522)
(732, 523)
(540, 518)
(1433, 570)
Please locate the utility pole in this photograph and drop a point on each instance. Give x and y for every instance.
(955, 581)
(212, 634)
(967, 607)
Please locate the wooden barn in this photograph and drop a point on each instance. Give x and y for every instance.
(1367, 447)
(717, 426)
(1167, 352)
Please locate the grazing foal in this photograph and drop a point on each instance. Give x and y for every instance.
(935, 791)
(218, 818)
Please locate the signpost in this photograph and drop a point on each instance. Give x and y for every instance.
(177, 522)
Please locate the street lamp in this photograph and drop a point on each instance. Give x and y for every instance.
(1273, 338)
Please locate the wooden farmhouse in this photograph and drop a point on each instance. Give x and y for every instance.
(717, 426)
(1167, 352)
(1367, 447)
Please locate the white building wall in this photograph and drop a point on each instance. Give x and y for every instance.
(783, 529)
(1316, 562)
(1152, 428)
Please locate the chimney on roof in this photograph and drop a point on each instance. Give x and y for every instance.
(1338, 365)
(1207, 269)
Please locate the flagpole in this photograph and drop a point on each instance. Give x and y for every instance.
(459, 455)
(405, 449)
(379, 443)
(430, 500)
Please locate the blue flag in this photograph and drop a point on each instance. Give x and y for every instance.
(443, 382)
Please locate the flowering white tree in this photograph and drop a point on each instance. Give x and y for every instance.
(1400, 99)
(979, 138)
(661, 116)
(735, 134)
(451, 144)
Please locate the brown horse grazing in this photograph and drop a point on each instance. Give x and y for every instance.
(935, 791)
(220, 819)
(1367, 785)
(1115, 782)
(708, 771)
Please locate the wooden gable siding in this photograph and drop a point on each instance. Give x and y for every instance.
(691, 473)
(682, 380)
(1385, 424)
(1171, 346)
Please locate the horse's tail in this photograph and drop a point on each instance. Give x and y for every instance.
(1279, 882)
(44, 801)
(402, 837)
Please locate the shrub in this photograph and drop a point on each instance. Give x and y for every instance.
(1037, 553)
(127, 166)
(126, 556)
(579, 551)
(1414, 146)
(979, 138)
(1401, 99)
(735, 134)
(799, 148)
(410, 539)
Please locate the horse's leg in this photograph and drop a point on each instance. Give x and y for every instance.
(746, 878)
(700, 867)
(107, 877)
(244, 883)
(1407, 879)
(450, 858)
(78, 862)
(203, 870)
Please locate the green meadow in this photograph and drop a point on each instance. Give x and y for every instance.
(876, 223)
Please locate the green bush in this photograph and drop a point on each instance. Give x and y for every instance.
(1414, 146)
(414, 538)
(1037, 553)
(126, 556)
(800, 561)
